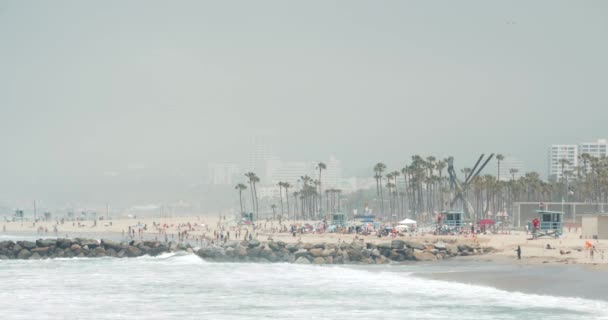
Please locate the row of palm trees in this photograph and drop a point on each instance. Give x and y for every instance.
(310, 204)
(423, 186)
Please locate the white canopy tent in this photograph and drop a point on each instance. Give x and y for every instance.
(407, 222)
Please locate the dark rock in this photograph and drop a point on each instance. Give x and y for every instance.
(464, 247)
(109, 244)
(253, 243)
(24, 254)
(385, 245)
(64, 243)
(133, 252)
(40, 250)
(292, 247)
(397, 244)
(46, 243)
(415, 245)
(3, 257)
(27, 244)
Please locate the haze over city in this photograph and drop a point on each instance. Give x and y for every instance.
(128, 102)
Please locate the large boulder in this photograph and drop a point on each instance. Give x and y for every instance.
(424, 256)
(415, 245)
(109, 244)
(133, 252)
(385, 246)
(302, 260)
(397, 244)
(6, 244)
(253, 243)
(292, 247)
(440, 245)
(40, 250)
(46, 242)
(35, 256)
(23, 254)
(464, 247)
(28, 245)
(64, 243)
(354, 255)
(329, 252)
(375, 253)
(301, 253)
(273, 246)
(318, 260)
(316, 252)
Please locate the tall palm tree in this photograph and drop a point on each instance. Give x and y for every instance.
(253, 179)
(499, 158)
(240, 187)
(320, 166)
(280, 184)
(274, 209)
(379, 169)
(286, 186)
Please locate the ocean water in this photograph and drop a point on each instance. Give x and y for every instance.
(183, 286)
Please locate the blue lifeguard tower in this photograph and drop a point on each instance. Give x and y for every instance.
(453, 219)
(551, 224)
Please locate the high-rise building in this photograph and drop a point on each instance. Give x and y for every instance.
(559, 152)
(223, 173)
(596, 149)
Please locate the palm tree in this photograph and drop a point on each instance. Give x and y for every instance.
(296, 194)
(273, 207)
(320, 166)
(280, 184)
(499, 158)
(240, 187)
(379, 169)
(286, 186)
(513, 172)
(253, 179)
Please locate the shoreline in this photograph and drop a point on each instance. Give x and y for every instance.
(577, 281)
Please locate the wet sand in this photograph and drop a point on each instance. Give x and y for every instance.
(583, 281)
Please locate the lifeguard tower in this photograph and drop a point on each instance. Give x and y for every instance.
(338, 219)
(453, 219)
(551, 224)
(246, 218)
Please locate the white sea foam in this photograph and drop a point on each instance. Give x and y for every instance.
(186, 287)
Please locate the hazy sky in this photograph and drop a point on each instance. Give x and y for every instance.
(93, 92)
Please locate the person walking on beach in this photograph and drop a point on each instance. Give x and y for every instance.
(518, 253)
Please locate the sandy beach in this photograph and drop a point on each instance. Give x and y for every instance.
(534, 252)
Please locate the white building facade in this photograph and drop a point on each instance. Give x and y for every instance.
(596, 149)
(557, 152)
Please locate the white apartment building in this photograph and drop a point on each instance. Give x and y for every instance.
(596, 149)
(558, 152)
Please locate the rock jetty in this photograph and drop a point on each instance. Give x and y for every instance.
(346, 253)
(81, 248)
(356, 252)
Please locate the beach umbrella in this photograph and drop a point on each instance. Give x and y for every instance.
(485, 222)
